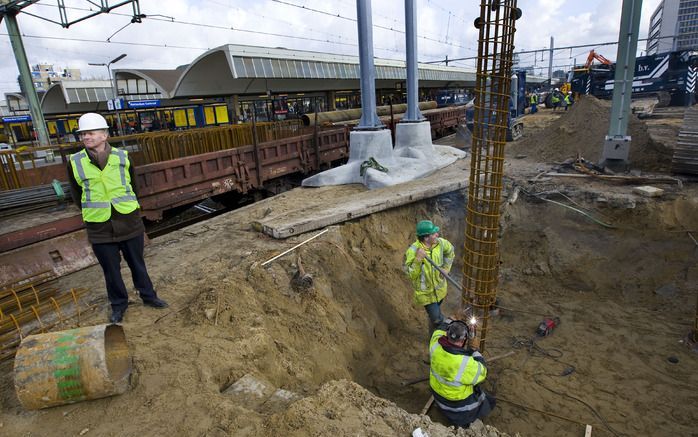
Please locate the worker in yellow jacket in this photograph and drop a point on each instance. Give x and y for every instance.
(103, 184)
(455, 374)
(429, 285)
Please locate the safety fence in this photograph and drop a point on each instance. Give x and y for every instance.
(25, 166)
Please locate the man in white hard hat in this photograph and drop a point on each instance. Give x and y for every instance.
(102, 184)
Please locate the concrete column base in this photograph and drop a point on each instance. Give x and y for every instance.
(413, 140)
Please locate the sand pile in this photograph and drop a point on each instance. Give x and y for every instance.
(582, 129)
(344, 408)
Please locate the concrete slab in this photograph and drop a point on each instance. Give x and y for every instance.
(250, 391)
(257, 394)
(648, 191)
(451, 178)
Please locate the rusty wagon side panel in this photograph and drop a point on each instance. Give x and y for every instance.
(169, 184)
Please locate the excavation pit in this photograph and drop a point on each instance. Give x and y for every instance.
(622, 278)
(625, 297)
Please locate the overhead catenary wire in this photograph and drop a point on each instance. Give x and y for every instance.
(557, 49)
(164, 18)
(377, 26)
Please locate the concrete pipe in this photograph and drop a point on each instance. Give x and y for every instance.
(355, 114)
(65, 367)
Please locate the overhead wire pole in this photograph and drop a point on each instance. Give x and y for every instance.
(8, 11)
(616, 148)
(112, 83)
(550, 60)
(493, 85)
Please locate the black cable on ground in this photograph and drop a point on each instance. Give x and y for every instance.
(593, 410)
(535, 350)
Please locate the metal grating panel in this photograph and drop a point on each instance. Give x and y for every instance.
(685, 158)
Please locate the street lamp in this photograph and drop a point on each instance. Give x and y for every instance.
(112, 83)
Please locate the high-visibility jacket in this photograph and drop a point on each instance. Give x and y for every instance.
(568, 99)
(555, 98)
(428, 284)
(104, 189)
(534, 99)
(454, 372)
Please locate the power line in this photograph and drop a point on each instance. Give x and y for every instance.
(233, 29)
(24, 35)
(447, 11)
(375, 25)
(554, 49)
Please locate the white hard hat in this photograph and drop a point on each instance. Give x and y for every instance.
(91, 121)
(557, 89)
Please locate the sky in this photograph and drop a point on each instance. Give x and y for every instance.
(175, 32)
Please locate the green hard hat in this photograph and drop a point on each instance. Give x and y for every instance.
(426, 227)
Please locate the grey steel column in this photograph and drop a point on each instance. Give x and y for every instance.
(412, 113)
(369, 116)
(617, 144)
(25, 78)
(550, 62)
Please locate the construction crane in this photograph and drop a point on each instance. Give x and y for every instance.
(595, 56)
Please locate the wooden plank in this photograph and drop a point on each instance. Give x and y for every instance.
(587, 432)
(451, 178)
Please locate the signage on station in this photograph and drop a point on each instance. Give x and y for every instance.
(139, 104)
(17, 118)
(115, 104)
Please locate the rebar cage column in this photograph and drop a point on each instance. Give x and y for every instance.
(481, 257)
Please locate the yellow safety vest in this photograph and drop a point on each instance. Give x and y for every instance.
(453, 376)
(102, 189)
(428, 284)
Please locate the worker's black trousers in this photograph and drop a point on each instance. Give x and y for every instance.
(109, 257)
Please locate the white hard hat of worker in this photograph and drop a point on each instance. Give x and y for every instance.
(91, 121)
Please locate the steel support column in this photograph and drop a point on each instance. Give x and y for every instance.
(616, 147)
(369, 116)
(25, 78)
(412, 114)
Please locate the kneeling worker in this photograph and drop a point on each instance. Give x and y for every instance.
(455, 374)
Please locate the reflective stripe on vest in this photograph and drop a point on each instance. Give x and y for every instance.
(104, 184)
(122, 172)
(88, 203)
(423, 276)
(466, 407)
(459, 374)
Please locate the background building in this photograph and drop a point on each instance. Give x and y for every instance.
(673, 26)
(44, 75)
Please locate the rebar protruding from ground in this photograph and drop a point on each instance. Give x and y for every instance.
(493, 83)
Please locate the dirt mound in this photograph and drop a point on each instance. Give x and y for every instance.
(581, 131)
(343, 408)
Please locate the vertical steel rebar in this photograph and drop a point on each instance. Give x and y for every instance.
(481, 256)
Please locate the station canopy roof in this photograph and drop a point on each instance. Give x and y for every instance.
(245, 71)
(239, 69)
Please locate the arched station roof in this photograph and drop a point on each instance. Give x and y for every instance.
(239, 69)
